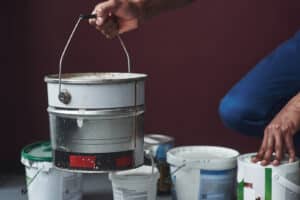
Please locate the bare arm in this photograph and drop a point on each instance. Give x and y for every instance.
(279, 134)
(129, 14)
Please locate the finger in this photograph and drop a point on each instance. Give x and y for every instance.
(269, 151)
(128, 26)
(92, 21)
(278, 147)
(262, 149)
(106, 8)
(288, 138)
(110, 28)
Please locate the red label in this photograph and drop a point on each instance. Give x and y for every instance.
(83, 161)
(125, 161)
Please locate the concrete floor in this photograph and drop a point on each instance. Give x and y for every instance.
(95, 187)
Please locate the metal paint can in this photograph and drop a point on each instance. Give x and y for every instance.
(101, 128)
(256, 182)
(158, 145)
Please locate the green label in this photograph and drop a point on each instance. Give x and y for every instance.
(268, 184)
(240, 190)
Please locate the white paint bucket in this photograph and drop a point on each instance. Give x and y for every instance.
(203, 172)
(269, 182)
(45, 182)
(140, 183)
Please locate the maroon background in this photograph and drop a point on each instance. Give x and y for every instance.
(192, 56)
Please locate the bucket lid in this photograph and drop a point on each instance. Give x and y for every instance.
(39, 151)
(203, 157)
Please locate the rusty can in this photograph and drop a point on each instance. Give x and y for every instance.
(158, 146)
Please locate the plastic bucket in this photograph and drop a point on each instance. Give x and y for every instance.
(139, 184)
(256, 182)
(45, 182)
(203, 172)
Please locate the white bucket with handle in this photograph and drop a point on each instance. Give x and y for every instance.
(256, 182)
(135, 184)
(203, 172)
(44, 182)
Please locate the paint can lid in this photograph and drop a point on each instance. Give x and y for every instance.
(39, 151)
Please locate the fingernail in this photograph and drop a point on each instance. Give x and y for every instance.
(99, 21)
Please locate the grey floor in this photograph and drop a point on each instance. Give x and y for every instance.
(95, 187)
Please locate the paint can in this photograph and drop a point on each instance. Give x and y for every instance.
(136, 184)
(256, 182)
(43, 180)
(158, 145)
(101, 129)
(203, 172)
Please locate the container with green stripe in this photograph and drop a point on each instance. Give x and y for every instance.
(256, 182)
(44, 182)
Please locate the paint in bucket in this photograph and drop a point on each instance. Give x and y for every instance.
(139, 184)
(203, 172)
(45, 182)
(256, 182)
(158, 146)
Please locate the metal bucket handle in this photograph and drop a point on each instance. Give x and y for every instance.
(63, 95)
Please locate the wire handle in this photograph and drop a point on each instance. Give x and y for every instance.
(63, 95)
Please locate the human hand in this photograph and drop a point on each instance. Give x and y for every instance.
(278, 136)
(117, 16)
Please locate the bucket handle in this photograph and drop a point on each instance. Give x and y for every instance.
(64, 96)
(148, 154)
(24, 189)
(286, 183)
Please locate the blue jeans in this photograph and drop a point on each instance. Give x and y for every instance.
(254, 101)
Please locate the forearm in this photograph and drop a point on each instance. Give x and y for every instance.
(154, 7)
(293, 107)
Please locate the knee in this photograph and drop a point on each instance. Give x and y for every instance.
(240, 115)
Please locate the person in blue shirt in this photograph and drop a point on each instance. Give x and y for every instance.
(266, 102)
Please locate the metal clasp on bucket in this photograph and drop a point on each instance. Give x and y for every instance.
(63, 95)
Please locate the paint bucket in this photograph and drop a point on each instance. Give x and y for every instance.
(203, 172)
(136, 184)
(45, 182)
(157, 146)
(256, 182)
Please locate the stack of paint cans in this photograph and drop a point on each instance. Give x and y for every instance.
(156, 146)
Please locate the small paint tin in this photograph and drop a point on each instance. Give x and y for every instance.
(157, 146)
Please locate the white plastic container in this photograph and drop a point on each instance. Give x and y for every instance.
(267, 182)
(203, 172)
(139, 184)
(45, 182)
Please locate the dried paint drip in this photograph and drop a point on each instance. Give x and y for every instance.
(64, 96)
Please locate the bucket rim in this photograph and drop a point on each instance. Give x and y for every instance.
(157, 135)
(95, 78)
(174, 160)
(26, 155)
(241, 159)
(123, 175)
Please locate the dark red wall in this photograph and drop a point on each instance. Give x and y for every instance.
(192, 56)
